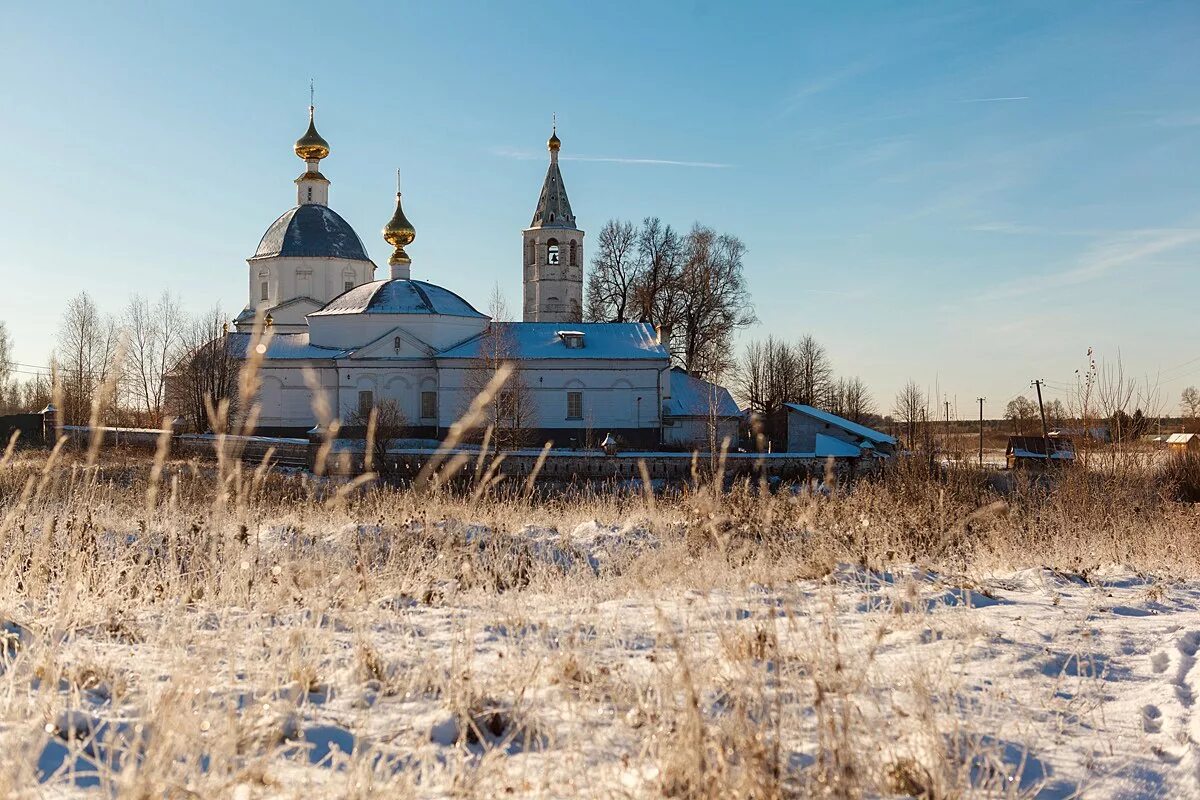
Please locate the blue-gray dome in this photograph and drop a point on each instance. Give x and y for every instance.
(398, 296)
(311, 231)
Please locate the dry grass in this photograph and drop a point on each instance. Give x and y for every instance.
(193, 630)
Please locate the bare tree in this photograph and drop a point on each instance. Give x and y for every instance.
(614, 276)
(855, 400)
(1023, 414)
(910, 408)
(766, 379)
(206, 372)
(6, 362)
(713, 302)
(498, 305)
(814, 375)
(88, 343)
(510, 411)
(660, 257)
(1189, 402)
(155, 337)
(385, 424)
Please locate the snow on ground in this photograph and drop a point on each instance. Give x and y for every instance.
(1036, 683)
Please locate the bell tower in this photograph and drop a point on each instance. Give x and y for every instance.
(553, 252)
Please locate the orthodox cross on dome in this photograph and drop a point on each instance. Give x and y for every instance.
(399, 233)
(553, 208)
(312, 187)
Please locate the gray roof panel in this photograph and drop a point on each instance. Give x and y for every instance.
(311, 231)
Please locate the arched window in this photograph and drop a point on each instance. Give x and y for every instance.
(552, 251)
(574, 248)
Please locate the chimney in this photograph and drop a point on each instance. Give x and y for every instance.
(664, 334)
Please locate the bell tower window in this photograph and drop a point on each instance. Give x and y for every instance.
(264, 294)
(310, 194)
(574, 256)
(552, 252)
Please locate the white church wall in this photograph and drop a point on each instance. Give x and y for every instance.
(285, 399)
(356, 330)
(386, 381)
(288, 277)
(610, 394)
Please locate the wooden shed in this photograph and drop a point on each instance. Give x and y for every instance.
(1184, 443)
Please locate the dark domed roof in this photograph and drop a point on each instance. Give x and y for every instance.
(314, 231)
(399, 296)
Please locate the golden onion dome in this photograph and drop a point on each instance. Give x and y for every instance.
(311, 145)
(399, 232)
(554, 142)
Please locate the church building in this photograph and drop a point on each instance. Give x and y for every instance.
(402, 338)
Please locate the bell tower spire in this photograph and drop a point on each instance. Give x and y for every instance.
(312, 187)
(553, 250)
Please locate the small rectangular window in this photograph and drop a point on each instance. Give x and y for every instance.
(428, 405)
(349, 286)
(366, 401)
(264, 291)
(574, 405)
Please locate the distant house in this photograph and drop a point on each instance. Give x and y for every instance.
(1184, 443)
(811, 431)
(1036, 451)
(696, 410)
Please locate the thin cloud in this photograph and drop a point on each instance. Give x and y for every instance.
(995, 99)
(661, 161)
(1109, 255)
(528, 155)
(819, 84)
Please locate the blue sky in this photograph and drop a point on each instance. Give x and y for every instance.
(967, 194)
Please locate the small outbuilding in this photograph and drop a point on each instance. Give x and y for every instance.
(698, 413)
(812, 431)
(1184, 443)
(1038, 451)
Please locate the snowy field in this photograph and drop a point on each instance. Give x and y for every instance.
(286, 641)
(1030, 683)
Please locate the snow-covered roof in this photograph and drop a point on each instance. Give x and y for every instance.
(1181, 438)
(313, 231)
(624, 341)
(1060, 448)
(248, 312)
(398, 296)
(831, 446)
(284, 345)
(692, 397)
(869, 434)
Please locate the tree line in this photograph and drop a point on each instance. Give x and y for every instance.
(156, 359)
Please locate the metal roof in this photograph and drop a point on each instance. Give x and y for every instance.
(693, 397)
(843, 423)
(312, 231)
(283, 345)
(553, 208)
(398, 296)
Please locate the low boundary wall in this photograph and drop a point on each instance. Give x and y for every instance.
(346, 458)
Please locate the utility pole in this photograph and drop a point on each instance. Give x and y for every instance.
(1037, 384)
(981, 399)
